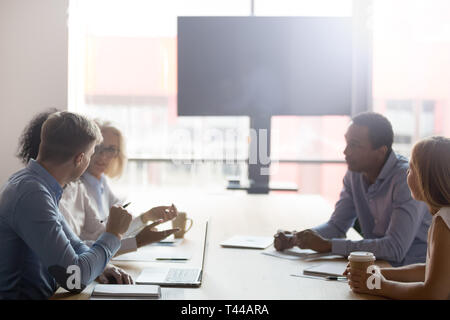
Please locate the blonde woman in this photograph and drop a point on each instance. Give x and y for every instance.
(429, 181)
(86, 204)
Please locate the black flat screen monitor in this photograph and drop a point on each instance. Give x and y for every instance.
(247, 66)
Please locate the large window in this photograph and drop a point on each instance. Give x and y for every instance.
(411, 67)
(123, 69)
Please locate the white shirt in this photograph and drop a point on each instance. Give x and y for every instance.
(100, 193)
(80, 211)
(444, 213)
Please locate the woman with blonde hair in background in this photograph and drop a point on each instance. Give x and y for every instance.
(429, 181)
(109, 160)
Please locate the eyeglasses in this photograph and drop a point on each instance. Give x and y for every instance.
(110, 152)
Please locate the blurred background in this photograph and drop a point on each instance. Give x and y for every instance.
(122, 67)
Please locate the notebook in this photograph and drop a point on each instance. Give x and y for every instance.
(175, 277)
(131, 291)
(330, 268)
(251, 242)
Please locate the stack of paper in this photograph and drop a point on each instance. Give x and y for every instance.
(126, 291)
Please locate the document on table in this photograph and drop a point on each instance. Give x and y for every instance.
(156, 253)
(329, 268)
(295, 253)
(169, 241)
(251, 242)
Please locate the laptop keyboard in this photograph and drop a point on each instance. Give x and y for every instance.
(182, 275)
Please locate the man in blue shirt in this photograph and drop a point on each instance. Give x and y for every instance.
(38, 251)
(394, 226)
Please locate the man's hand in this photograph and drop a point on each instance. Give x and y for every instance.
(310, 239)
(118, 221)
(149, 234)
(113, 274)
(162, 212)
(284, 240)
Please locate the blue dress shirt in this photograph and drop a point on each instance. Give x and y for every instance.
(38, 250)
(394, 226)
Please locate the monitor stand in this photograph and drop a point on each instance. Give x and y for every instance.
(259, 161)
(273, 186)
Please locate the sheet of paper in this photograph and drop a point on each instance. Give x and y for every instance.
(169, 241)
(296, 253)
(279, 254)
(329, 268)
(153, 253)
(253, 242)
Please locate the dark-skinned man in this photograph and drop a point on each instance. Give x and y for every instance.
(394, 226)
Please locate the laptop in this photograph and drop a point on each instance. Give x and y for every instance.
(175, 277)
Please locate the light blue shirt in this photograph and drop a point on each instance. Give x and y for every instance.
(100, 192)
(394, 226)
(37, 246)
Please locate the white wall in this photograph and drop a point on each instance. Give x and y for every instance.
(33, 68)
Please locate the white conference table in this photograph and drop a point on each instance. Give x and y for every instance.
(239, 274)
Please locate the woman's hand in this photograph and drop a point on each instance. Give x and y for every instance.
(359, 281)
(162, 212)
(149, 234)
(347, 270)
(113, 274)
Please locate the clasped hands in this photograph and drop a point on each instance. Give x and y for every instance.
(306, 239)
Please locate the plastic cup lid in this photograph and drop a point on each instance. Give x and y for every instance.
(361, 256)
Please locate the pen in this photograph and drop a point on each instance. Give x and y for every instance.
(124, 206)
(340, 279)
(336, 278)
(173, 259)
(303, 276)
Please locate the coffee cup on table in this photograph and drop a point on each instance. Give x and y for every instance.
(180, 221)
(361, 260)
